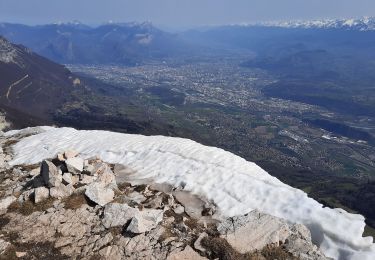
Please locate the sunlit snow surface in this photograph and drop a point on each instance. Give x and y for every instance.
(234, 184)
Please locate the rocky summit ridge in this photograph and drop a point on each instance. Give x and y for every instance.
(68, 207)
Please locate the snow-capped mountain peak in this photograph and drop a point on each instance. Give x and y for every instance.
(361, 24)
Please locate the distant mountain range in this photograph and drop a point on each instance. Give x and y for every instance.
(361, 24)
(128, 43)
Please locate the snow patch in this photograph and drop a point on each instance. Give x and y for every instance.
(234, 184)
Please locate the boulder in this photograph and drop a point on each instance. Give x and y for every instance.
(74, 165)
(5, 203)
(99, 194)
(145, 221)
(61, 191)
(116, 214)
(50, 174)
(40, 194)
(253, 231)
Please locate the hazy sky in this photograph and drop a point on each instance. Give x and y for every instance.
(175, 13)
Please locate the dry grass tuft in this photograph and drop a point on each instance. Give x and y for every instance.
(75, 201)
(28, 207)
(219, 248)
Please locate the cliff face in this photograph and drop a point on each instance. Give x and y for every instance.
(158, 197)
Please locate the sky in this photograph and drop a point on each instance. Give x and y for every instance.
(180, 13)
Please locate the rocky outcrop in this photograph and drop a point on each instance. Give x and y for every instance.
(75, 208)
(256, 230)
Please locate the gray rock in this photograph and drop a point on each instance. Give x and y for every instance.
(74, 165)
(50, 174)
(99, 194)
(193, 204)
(40, 194)
(116, 214)
(145, 221)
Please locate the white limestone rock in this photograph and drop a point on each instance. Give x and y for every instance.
(116, 214)
(145, 221)
(74, 165)
(99, 194)
(40, 194)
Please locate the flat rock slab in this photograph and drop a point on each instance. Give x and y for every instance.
(193, 204)
(253, 231)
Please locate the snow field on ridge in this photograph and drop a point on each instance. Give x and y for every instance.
(234, 184)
